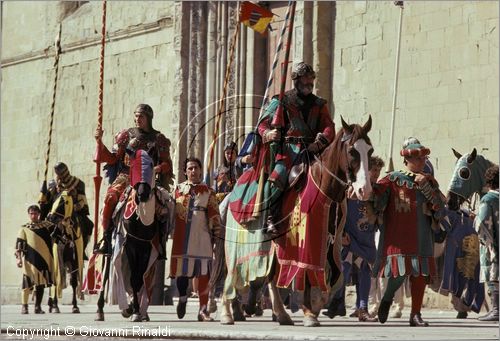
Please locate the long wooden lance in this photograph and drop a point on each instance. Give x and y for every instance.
(57, 47)
(97, 158)
(390, 165)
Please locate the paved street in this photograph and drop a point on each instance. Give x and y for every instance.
(164, 323)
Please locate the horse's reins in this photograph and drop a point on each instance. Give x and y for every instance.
(342, 182)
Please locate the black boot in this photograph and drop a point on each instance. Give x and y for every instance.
(38, 299)
(383, 310)
(271, 226)
(492, 315)
(336, 308)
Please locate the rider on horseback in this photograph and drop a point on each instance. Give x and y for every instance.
(76, 188)
(144, 137)
(308, 126)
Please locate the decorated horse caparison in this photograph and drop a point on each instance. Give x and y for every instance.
(67, 250)
(143, 220)
(461, 259)
(307, 255)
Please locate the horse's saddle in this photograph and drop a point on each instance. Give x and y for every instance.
(298, 171)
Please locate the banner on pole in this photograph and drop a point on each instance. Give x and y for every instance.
(256, 17)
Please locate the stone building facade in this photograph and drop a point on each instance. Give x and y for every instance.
(173, 56)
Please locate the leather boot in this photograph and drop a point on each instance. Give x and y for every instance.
(416, 321)
(363, 316)
(493, 313)
(24, 309)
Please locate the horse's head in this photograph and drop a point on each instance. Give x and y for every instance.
(358, 149)
(61, 209)
(467, 179)
(142, 176)
(347, 158)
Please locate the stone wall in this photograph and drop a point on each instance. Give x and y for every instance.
(448, 79)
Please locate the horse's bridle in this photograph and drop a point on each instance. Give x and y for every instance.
(342, 182)
(345, 137)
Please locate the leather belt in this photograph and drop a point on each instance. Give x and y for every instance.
(298, 139)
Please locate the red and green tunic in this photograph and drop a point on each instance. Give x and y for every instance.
(406, 245)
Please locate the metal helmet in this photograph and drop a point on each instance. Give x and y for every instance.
(302, 69)
(145, 109)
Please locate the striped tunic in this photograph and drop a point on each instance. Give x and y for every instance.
(35, 244)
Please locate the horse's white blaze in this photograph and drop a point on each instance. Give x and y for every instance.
(362, 187)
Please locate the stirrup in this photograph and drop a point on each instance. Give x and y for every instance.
(102, 248)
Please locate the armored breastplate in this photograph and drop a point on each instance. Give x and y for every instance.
(144, 141)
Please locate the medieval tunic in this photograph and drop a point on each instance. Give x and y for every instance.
(35, 242)
(361, 231)
(407, 236)
(197, 217)
(305, 117)
(486, 224)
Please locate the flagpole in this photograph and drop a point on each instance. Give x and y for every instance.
(276, 57)
(390, 165)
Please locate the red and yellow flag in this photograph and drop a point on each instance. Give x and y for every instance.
(255, 17)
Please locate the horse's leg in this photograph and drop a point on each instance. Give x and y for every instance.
(238, 314)
(136, 315)
(135, 252)
(142, 292)
(53, 300)
(212, 303)
(313, 302)
(278, 309)
(50, 301)
(100, 302)
(74, 284)
(255, 287)
(226, 317)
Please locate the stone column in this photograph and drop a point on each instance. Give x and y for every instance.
(181, 46)
(193, 121)
(211, 75)
(323, 48)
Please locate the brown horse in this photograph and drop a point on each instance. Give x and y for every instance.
(312, 241)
